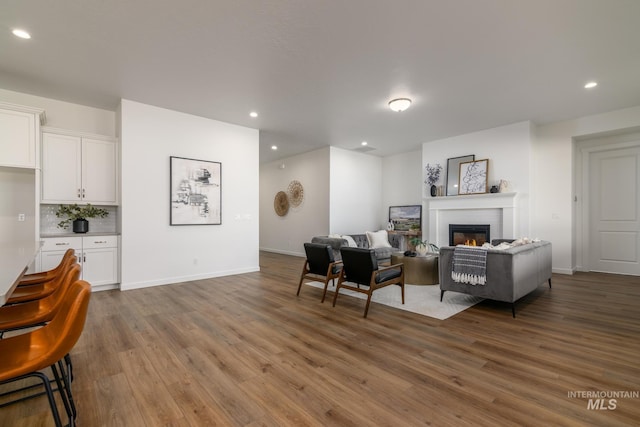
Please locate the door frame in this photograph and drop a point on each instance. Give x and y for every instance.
(584, 149)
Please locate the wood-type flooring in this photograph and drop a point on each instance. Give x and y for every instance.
(245, 351)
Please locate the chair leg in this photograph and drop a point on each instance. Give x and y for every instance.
(335, 295)
(324, 293)
(63, 394)
(301, 279)
(513, 309)
(366, 308)
(402, 290)
(441, 294)
(549, 282)
(65, 375)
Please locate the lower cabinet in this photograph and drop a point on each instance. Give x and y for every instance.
(98, 256)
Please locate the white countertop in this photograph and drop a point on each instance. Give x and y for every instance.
(15, 258)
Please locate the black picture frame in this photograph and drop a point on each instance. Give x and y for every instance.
(453, 172)
(406, 218)
(195, 192)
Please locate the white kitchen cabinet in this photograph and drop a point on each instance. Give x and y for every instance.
(19, 128)
(78, 168)
(97, 255)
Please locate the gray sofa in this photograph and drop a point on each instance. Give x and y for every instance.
(511, 273)
(382, 254)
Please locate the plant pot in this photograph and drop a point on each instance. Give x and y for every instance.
(80, 226)
(434, 191)
(422, 249)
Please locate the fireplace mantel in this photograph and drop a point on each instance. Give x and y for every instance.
(497, 209)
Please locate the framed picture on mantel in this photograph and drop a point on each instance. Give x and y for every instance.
(473, 177)
(453, 172)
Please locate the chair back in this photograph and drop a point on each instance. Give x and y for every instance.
(319, 256)
(359, 264)
(41, 348)
(67, 325)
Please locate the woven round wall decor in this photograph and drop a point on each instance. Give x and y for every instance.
(281, 203)
(296, 193)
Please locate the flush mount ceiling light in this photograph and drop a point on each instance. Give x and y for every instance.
(399, 104)
(591, 85)
(253, 114)
(364, 143)
(274, 147)
(21, 33)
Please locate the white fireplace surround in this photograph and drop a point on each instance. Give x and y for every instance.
(496, 209)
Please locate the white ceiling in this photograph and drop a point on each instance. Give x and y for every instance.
(321, 72)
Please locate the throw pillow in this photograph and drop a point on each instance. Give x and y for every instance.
(350, 242)
(378, 239)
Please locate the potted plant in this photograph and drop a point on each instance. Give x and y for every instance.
(423, 246)
(433, 176)
(77, 215)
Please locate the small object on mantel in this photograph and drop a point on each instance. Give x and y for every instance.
(504, 186)
(494, 189)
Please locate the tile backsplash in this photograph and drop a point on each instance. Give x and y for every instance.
(49, 221)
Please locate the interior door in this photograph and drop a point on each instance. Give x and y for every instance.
(614, 211)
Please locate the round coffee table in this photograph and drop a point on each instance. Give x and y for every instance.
(418, 270)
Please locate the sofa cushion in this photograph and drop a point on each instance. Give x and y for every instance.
(378, 239)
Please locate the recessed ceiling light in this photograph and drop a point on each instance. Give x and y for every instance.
(21, 33)
(364, 143)
(399, 104)
(253, 114)
(591, 85)
(274, 147)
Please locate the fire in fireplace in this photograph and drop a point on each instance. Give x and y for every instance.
(469, 234)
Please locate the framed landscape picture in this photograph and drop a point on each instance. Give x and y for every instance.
(406, 218)
(196, 192)
(473, 177)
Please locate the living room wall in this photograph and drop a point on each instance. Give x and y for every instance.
(287, 234)
(155, 253)
(401, 182)
(355, 192)
(508, 149)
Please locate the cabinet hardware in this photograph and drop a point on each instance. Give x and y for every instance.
(83, 195)
(62, 244)
(99, 241)
(78, 193)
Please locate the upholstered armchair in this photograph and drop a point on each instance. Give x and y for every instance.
(360, 268)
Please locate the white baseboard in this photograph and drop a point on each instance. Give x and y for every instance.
(568, 271)
(278, 251)
(180, 279)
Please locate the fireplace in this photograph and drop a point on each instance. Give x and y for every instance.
(469, 234)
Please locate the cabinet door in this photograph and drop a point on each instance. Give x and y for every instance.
(99, 178)
(18, 136)
(100, 266)
(50, 260)
(61, 162)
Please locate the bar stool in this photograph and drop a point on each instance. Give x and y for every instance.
(24, 356)
(39, 291)
(38, 312)
(45, 276)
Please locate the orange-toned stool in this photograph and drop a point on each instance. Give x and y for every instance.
(24, 356)
(39, 291)
(45, 276)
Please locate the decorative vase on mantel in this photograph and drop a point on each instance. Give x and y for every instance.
(80, 225)
(434, 190)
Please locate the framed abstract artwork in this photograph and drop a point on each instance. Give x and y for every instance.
(195, 192)
(473, 177)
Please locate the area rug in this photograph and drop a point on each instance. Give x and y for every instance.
(420, 299)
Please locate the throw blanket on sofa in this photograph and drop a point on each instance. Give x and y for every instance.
(469, 265)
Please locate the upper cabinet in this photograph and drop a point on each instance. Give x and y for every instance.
(19, 129)
(78, 168)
